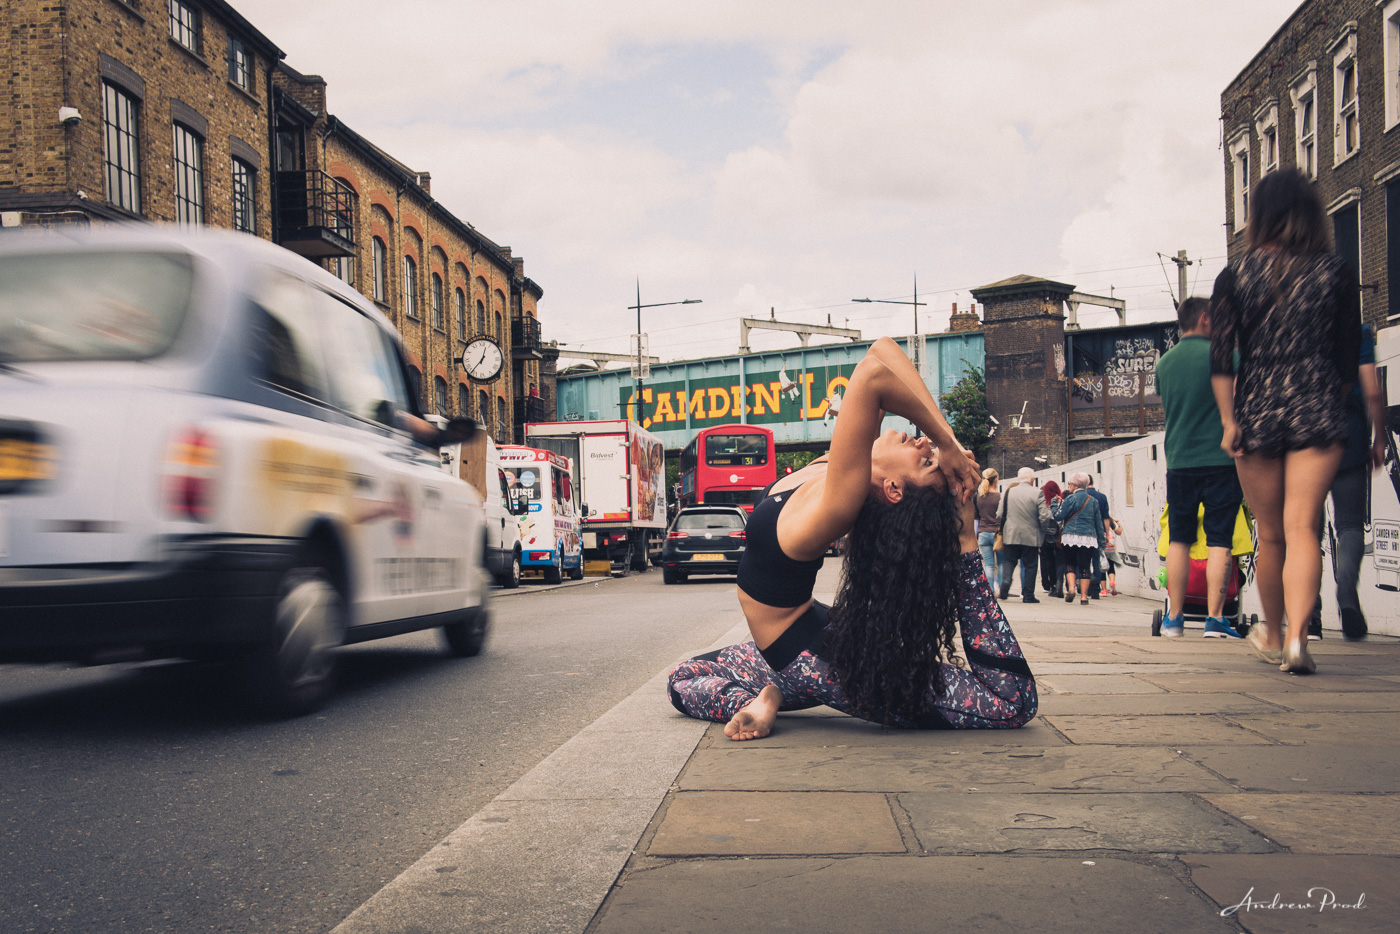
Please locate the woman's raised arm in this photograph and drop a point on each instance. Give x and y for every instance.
(884, 381)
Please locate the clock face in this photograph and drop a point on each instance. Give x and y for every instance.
(482, 359)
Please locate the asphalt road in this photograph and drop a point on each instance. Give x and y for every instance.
(139, 799)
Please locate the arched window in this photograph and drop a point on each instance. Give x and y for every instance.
(378, 255)
(415, 382)
(440, 395)
(410, 286)
(461, 315)
(498, 326)
(483, 411)
(464, 400)
(437, 302)
(503, 432)
(480, 317)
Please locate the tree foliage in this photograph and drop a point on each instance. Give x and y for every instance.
(965, 407)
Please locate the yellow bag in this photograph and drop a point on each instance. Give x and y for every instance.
(1242, 544)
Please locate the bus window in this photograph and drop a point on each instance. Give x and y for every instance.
(736, 451)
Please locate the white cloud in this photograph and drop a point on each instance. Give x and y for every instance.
(961, 143)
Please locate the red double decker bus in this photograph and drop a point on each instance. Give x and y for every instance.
(728, 464)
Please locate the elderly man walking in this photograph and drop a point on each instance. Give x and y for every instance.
(1023, 513)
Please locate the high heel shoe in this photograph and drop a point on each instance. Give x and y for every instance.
(1256, 642)
(1297, 660)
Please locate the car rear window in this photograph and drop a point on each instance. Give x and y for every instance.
(709, 520)
(92, 305)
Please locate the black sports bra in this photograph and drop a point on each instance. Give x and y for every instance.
(765, 572)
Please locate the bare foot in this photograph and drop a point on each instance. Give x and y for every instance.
(755, 721)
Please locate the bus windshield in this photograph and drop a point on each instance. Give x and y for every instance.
(736, 450)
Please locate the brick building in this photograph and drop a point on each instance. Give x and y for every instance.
(181, 111)
(134, 109)
(438, 279)
(1323, 95)
(1061, 394)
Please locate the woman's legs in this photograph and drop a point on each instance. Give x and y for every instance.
(1285, 495)
(1307, 478)
(985, 540)
(737, 687)
(996, 690)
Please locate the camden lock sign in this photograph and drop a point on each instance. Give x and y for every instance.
(762, 398)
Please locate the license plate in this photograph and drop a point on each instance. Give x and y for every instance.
(22, 459)
(708, 557)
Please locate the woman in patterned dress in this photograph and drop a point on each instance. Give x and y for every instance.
(1290, 309)
(884, 650)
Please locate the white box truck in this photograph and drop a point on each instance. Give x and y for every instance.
(620, 473)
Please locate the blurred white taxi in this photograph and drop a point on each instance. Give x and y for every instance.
(205, 452)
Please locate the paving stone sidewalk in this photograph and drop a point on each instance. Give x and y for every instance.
(1164, 783)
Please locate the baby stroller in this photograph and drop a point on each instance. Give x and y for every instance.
(1242, 573)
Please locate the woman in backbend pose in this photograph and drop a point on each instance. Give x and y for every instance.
(884, 650)
(1290, 308)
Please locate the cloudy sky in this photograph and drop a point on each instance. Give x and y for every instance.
(795, 154)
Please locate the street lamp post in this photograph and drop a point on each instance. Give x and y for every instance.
(916, 355)
(637, 400)
(889, 301)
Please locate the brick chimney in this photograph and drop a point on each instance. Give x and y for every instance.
(964, 321)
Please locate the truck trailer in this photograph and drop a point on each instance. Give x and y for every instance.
(620, 474)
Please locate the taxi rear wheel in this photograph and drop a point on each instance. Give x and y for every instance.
(467, 636)
(292, 673)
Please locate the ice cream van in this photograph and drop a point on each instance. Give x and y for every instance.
(551, 537)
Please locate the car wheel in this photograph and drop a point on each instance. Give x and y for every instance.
(1156, 622)
(466, 637)
(554, 574)
(292, 672)
(576, 572)
(511, 578)
(639, 560)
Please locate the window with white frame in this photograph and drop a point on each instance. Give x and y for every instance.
(1304, 95)
(410, 286)
(380, 268)
(461, 315)
(184, 24)
(244, 196)
(189, 175)
(1346, 115)
(436, 299)
(1390, 23)
(1239, 177)
(121, 138)
(1266, 128)
(240, 64)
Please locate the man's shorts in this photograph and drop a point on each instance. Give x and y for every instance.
(1218, 488)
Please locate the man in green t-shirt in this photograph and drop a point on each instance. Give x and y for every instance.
(1198, 471)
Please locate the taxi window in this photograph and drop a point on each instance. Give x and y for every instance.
(92, 305)
(285, 337)
(365, 377)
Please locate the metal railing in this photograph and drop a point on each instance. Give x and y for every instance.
(525, 334)
(530, 409)
(315, 214)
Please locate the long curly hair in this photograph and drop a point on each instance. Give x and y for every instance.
(896, 612)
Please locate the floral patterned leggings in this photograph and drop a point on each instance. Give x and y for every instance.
(995, 691)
